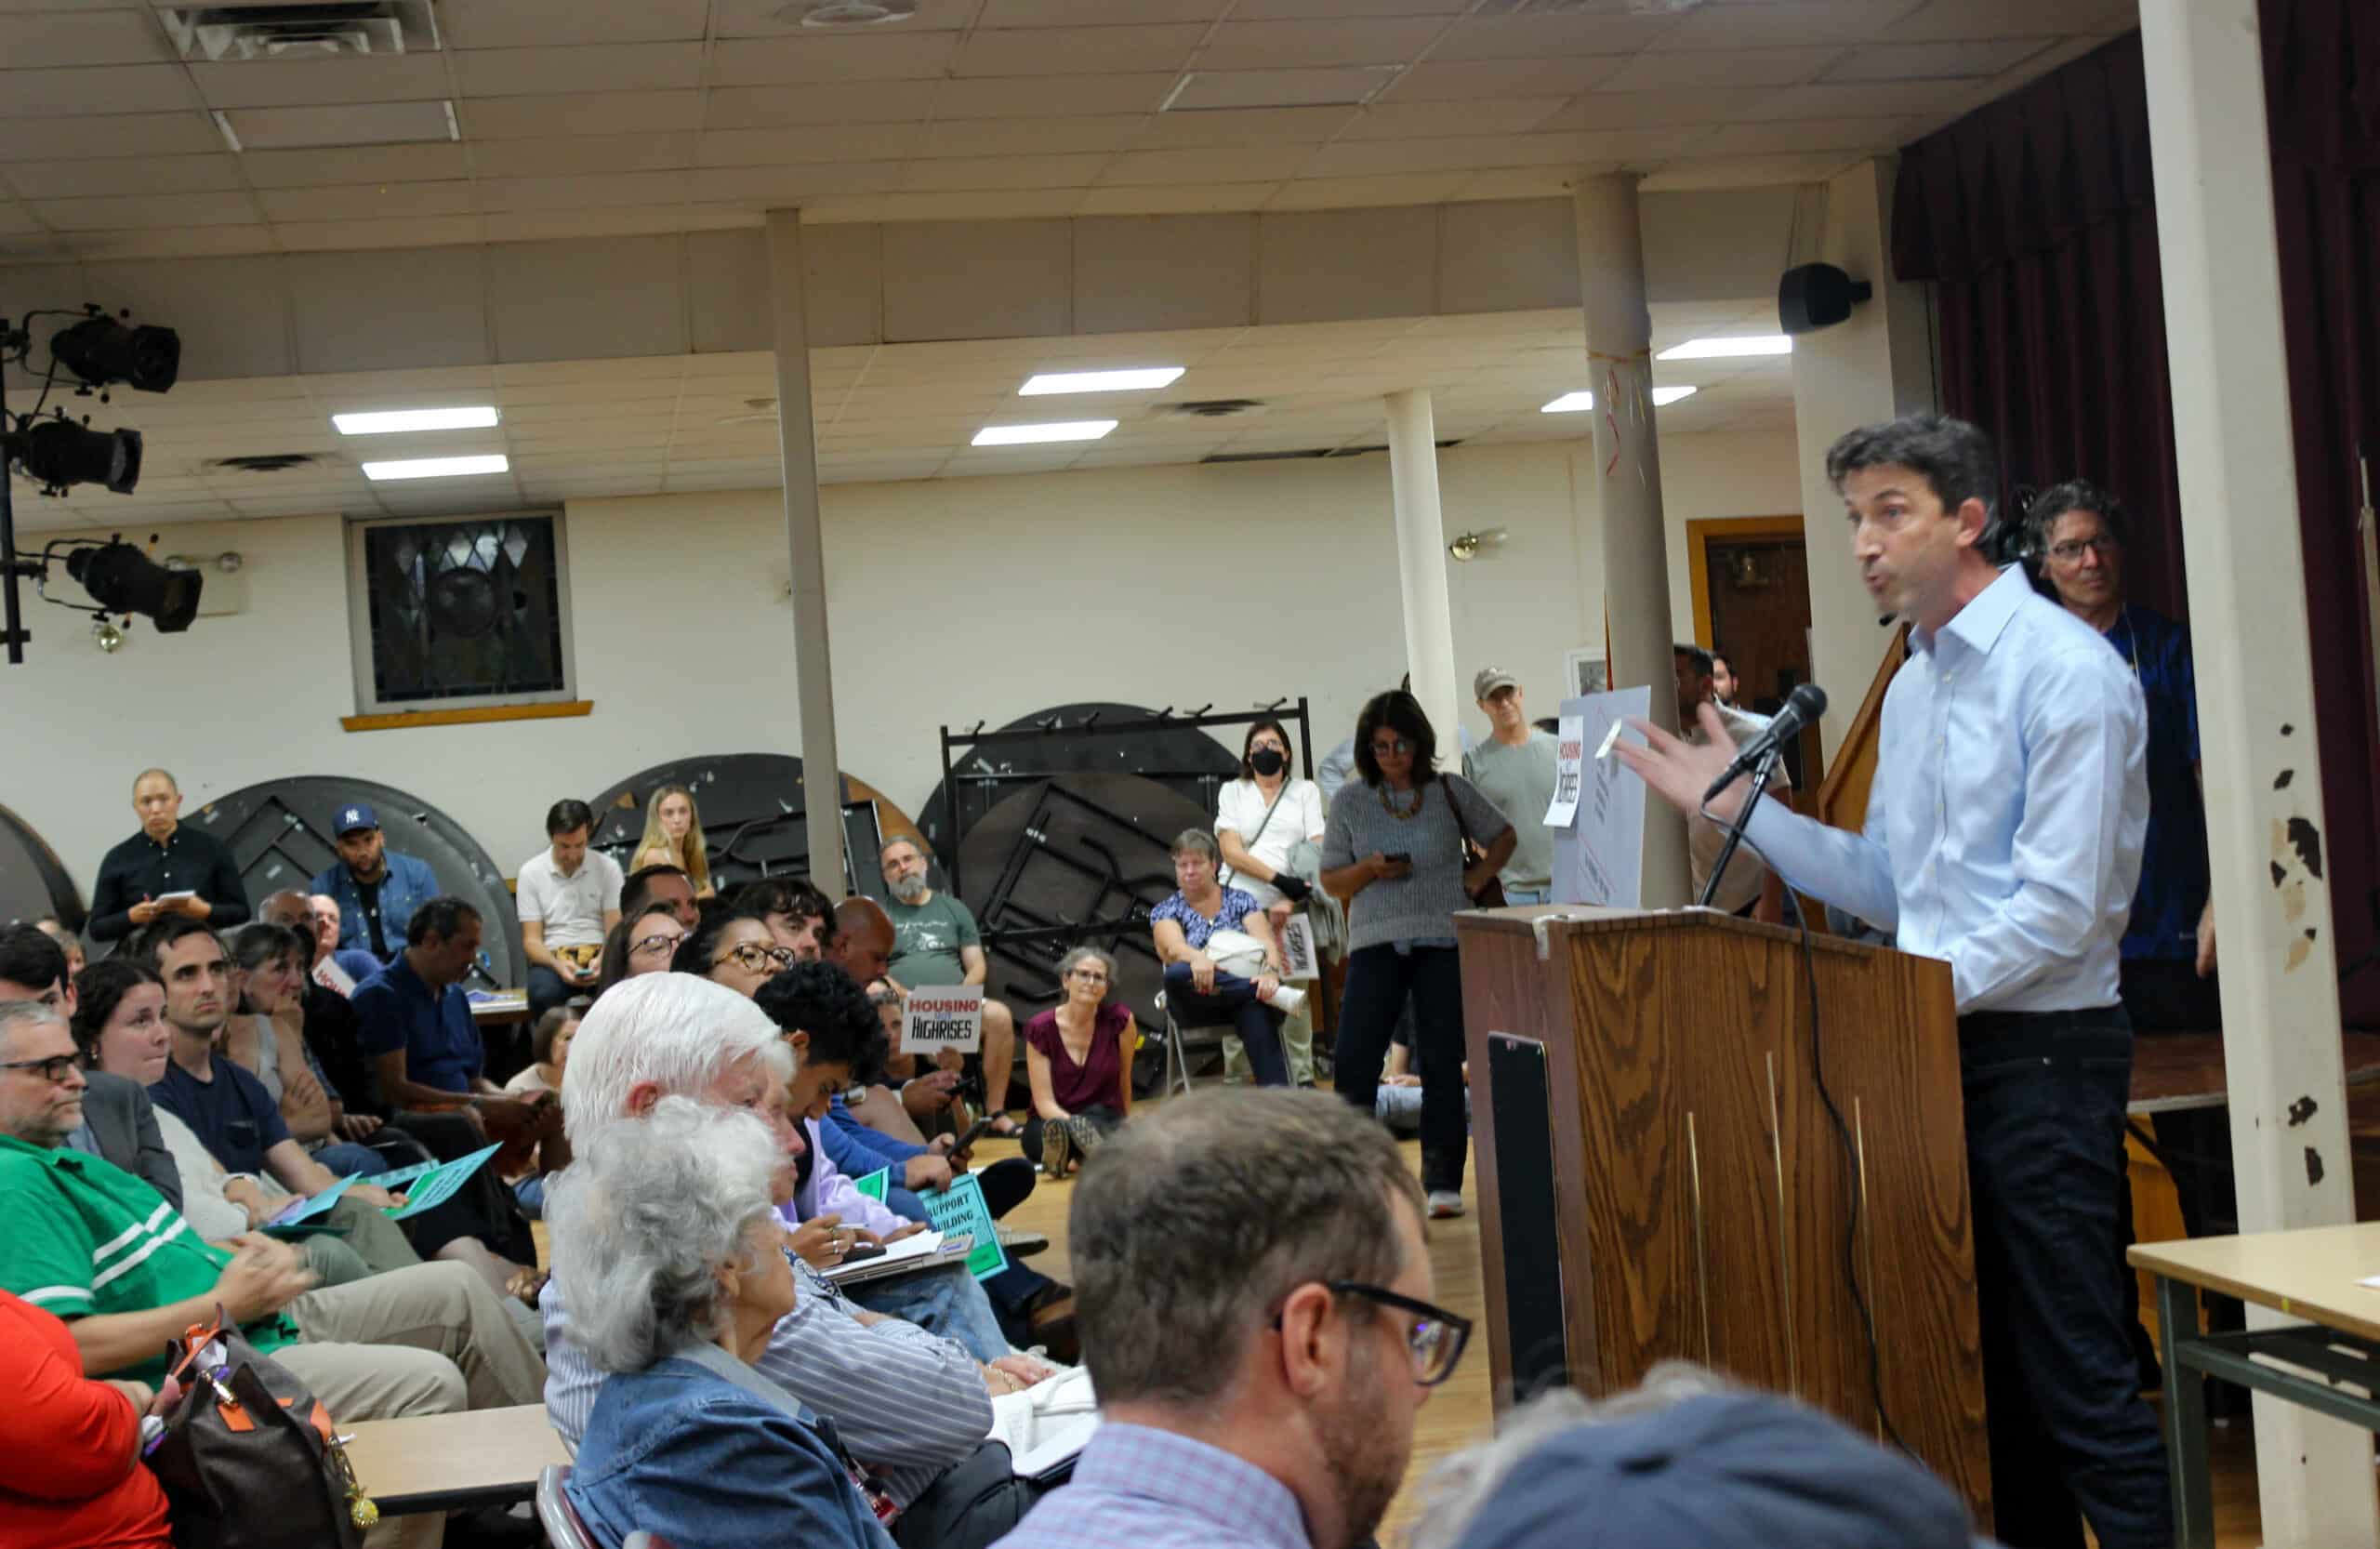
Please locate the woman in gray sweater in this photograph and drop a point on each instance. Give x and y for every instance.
(1392, 851)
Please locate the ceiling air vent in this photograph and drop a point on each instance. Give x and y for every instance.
(1212, 408)
(232, 33)
(1379, 447)
(267, 462)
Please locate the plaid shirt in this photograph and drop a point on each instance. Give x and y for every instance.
(1153, 1490)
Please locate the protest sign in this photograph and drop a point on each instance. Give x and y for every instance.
(936, 1019)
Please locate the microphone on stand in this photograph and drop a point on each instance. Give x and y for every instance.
(1806, 704)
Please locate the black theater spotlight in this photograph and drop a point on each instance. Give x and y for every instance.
(101, 349)
(123, 579)
(58, 454)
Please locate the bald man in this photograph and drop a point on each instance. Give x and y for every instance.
(167, 868)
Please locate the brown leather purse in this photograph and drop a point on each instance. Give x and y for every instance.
(1492, 895)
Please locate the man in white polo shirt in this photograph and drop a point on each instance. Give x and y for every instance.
(568, 896)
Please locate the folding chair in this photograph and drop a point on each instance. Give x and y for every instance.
(556, 1515)
(1180, 1040)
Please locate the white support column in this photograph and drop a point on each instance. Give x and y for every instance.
(1628, 484)
(1422, 566)
(2258, 732)
(1877, 366)
(814, 676)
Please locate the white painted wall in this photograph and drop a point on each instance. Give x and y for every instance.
(1753, 474)
(952, 600)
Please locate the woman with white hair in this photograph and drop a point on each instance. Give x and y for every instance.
(667, 1231)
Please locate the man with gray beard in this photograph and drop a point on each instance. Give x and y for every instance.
(936, 946)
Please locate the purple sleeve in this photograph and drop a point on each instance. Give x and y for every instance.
(835, 1194)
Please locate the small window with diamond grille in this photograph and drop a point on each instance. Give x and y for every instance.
(459, 612)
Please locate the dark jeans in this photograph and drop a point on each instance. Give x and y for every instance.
(1379, 980)
(547, 991)
(1016, 1291)
(2071, 1436)
(1233, 1000)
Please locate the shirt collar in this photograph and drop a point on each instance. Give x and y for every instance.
(1195, 1479)
(1979, 625)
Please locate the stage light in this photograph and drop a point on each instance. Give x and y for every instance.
(100, 351)
(58, 454)
(123, 579)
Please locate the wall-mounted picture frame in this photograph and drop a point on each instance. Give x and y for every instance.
(1586, 669)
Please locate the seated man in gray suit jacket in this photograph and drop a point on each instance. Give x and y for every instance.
(118, 1121)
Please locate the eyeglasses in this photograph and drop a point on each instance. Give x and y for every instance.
(1398, 748)
(1088, 975)
(54, 1069)
(756, 958)
(1436, 1340)
(659, 941)
(2071, 549)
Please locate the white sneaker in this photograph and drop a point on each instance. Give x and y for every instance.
(1288, 1000)
(1445, 1203)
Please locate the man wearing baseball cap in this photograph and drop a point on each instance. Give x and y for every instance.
(377, 888)
(1514, 769)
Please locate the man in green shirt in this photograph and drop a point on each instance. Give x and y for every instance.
(103, 1251)
(936, 946)
(1514, 769)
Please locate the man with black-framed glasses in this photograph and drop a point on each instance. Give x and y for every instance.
(1266, 1399)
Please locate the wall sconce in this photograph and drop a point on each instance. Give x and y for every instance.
(1467, 546)
(228, 562)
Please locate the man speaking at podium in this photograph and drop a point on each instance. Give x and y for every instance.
(2004, 834)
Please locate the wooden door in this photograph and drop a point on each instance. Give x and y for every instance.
(1759, 590)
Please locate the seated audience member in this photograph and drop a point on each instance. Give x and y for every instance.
(376, 888)
(265, 1035)
(667, 883)
(68, 943)
(333, 967)
(415, 1022)
(936, 946)
(673, 837)
(70, 1474)
(799, 916)
(863, 939)
(1514, 769)
(1268, 1395)
(926, 1102)
(119, 1025)
(569, 896)
(642, 943)
(1724, 684)
(669, 1226)
(548, 1051)
(119, 1122)
(1263, 820)
(1222, 962)
(731, 949)
(908, 1405)
(1686, 1460)
(1078, 1061)
(327, 1021)
(166, 870)
(1748, 889)
(96, 1246)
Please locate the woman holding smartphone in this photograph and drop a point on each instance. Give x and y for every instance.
(1394, 851)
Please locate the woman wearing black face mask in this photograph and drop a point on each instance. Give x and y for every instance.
(1259, 819)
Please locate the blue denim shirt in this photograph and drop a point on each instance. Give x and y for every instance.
(408, 885)
(681, 1452)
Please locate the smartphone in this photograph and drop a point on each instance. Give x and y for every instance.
(973, 1133)
(861, 1250)
(1399, 858)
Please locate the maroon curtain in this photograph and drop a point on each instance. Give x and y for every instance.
(2035, 217)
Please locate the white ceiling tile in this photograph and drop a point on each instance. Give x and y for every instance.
(1257, 128)
(1536, 37)
(773, 187)
(346, 124)
(159, 211)
(1622, 110)
(1397, 120)
(594, 113)
(1238, 165)
(1332, 86)
(1721, 67)
(854, 102)
(858, 142)
(1331, 193)
(1496, 79)
(980, 173)
(366, 202)
(888, 56)
(375, 163)
(590, 191)
(1383, 158)
(1077, 50)
(529, 24)
(1933, 61)
(143, 241)
(595, 67)
(318, 83)
(1281, 44)
(1022, 137)
(96, 90)
(1178, 199)
(126, 36)
(1092, 13)
(735, 19)
(1819, 134)
(1951, 19)
(143, 134)
(1879, 100)
(1051, 96)
(123, 175)
(1261, 10)
(1784, 24)
(565, 155)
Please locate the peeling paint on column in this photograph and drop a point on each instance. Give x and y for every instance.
(2307, 840)
(2302, 1110)
(2280, 781)
(2313, 1167)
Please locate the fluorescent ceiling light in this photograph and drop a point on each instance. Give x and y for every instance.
(1099, 381)
(1671, 395)
(393, 420)
(1739, 344)
(1023, 435)
(438, 468)
(1570, 403)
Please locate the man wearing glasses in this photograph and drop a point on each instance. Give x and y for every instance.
(1267, 1400)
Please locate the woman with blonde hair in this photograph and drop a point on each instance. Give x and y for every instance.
(673, 835)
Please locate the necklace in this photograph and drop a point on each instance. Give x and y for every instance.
(1389, 805)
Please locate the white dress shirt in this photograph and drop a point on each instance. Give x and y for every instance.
(2010, 804)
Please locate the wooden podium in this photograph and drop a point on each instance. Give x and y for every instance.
(1658, 1178)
